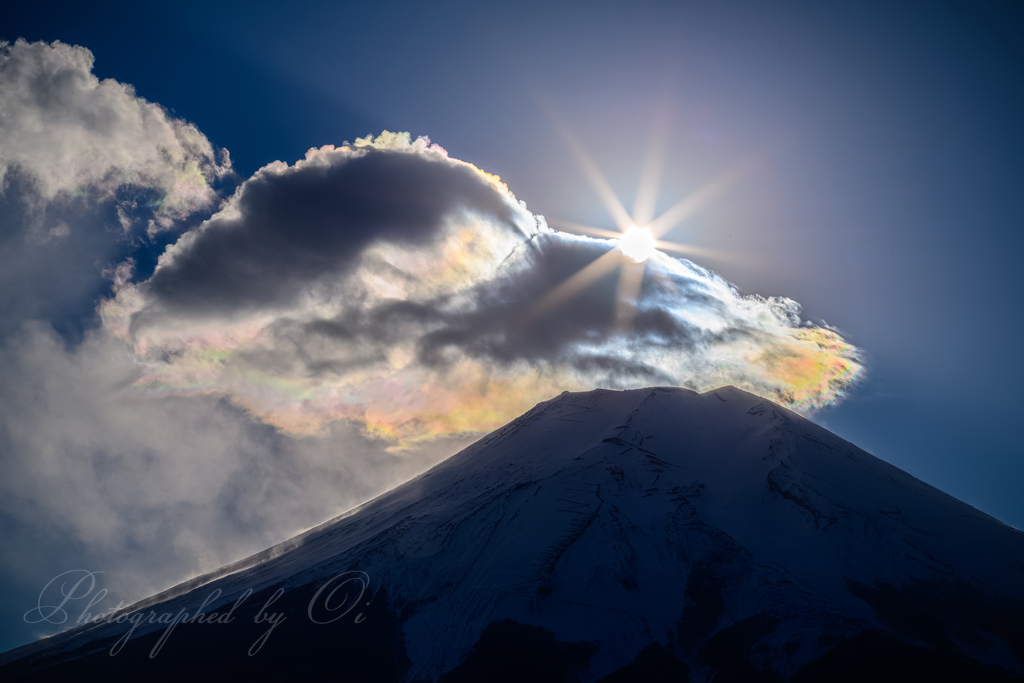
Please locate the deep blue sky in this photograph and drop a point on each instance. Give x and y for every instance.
(887, 193)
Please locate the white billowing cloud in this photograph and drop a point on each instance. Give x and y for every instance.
(72, 133)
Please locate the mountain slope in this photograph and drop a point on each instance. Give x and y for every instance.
(623, 535)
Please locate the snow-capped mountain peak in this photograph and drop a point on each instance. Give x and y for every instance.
(636, 533)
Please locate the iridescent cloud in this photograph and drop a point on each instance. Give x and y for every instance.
(385, 283)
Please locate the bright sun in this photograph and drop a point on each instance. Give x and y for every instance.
(638, 244)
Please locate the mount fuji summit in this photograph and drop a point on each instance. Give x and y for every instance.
(644, 535)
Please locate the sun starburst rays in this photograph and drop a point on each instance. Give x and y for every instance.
(638, 236)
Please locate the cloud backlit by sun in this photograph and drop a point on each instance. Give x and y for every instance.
(386, 283)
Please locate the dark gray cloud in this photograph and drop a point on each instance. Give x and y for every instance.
(495, 321)
(290, 226)
(500, 324)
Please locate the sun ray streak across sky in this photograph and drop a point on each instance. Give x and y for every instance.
(631, 277)
(597, 181)
(567, 226)
(703, 252)
(646, 200)
(583, 278)
(694, 202)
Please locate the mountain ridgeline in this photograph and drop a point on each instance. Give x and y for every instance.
(646, 535)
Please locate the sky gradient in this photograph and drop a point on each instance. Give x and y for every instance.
(881, 182)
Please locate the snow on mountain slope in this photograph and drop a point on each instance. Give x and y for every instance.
(739, 537)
